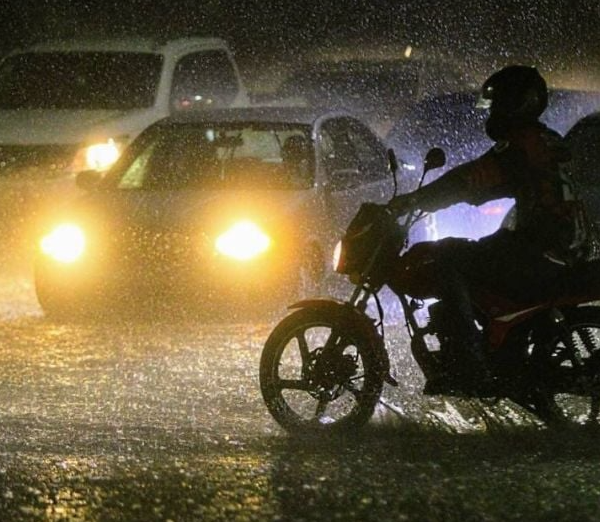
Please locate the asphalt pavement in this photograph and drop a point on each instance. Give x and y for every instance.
(163, 421)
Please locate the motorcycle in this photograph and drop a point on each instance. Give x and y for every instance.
(323, 367)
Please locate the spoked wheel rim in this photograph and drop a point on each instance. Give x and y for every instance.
(319, 377)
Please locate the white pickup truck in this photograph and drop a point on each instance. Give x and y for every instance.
(71, 106)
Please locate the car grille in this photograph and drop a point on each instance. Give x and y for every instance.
(156, 248)
(43, 159)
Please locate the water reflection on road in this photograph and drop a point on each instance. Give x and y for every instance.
(164, 421)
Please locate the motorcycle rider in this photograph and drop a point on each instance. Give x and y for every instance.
(551, 234)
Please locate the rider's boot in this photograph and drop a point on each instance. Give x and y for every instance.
(462, 319)
(480, 376)
(476, 376)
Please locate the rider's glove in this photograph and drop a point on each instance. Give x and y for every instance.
(401, 204)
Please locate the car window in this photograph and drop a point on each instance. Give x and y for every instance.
(352, 155)
(204, 78)
(340, 158)
(214, 158)
(371, 153)
(79, 80)
(133, 177)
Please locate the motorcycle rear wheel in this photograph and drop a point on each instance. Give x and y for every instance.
(568, 389)
(320, 373)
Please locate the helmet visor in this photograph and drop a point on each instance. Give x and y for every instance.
(483, 102)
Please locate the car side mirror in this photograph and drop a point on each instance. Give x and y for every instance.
(88, 179)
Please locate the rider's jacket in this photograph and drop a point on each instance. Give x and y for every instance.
(529, 166)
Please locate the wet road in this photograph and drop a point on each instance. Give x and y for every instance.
(144, 422)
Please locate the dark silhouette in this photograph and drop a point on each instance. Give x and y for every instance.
(551, 233)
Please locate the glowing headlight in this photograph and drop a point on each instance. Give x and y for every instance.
(101, 156)
(66, 243)
(243, 241)
(337, 256)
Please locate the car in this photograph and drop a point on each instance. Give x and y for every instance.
(453, 122)
(73, 104)
(99, 94)
(222, 206)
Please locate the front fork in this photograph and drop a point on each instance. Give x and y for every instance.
(360, 298)
(427, 361)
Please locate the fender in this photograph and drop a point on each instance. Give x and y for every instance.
(359, 320)
(320, 302)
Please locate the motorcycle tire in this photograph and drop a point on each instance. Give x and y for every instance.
(567, 390)
(321, 372)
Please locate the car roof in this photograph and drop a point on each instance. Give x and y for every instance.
(294, 115)
(125, 44)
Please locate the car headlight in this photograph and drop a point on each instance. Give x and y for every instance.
(338, 257)
(243, 241)
(65, 243)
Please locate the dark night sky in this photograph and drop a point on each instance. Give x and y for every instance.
(557, 32)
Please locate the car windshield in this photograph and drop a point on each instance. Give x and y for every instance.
(215, 157)
(79, 80)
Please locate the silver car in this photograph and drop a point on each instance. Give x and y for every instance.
(241, 206)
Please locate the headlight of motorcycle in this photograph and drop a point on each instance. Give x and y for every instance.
(338, 256)
(243, 241)
(65, 243)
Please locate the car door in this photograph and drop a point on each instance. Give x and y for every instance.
(354, 165)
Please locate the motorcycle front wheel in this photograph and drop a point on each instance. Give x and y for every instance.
(320, 373)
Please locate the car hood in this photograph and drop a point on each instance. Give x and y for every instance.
(62, 127)
(191, 212)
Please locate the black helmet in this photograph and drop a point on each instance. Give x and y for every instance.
(515, 95)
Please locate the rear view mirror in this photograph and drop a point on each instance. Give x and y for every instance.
(435, 159)
(392, 160)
